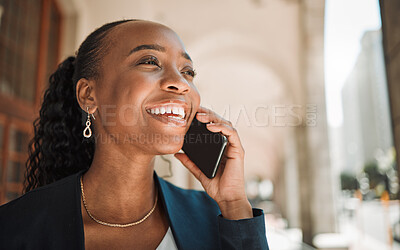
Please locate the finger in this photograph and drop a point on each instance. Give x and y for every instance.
(200, 176)
(203, 110)
(206, 115)
(230, 133)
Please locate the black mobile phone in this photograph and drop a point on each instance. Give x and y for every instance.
(204, 148)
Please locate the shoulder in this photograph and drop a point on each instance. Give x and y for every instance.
(37, 209)
(40, 197)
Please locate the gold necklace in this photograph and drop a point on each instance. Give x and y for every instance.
(116, 225)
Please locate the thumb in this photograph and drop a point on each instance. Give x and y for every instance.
(189, 164)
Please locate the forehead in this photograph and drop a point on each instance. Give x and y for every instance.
(128, 35)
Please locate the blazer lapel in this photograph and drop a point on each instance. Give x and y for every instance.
(191, 229)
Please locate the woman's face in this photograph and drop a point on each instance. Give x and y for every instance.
(146, 97)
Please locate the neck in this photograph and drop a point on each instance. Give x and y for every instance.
(119, 187)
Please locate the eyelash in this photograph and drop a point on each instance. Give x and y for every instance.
(150, 61)
(191, 72)
(154, 61)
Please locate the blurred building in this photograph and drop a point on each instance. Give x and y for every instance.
(366, 114)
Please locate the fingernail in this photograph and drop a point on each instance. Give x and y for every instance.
(201, 113)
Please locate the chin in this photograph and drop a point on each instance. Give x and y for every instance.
(169, 147)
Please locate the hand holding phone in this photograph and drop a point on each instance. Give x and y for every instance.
(204, 148)
(227, 188)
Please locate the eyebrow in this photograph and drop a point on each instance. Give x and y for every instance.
(147, 46)
(185, 55)
(157, 48)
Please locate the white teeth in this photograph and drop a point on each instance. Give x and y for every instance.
(162, 110)
(180, 111)
(175, 110)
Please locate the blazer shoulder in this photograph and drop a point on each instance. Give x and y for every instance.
(42, 194)
(193, 200)
(39, 203)
(44, 218)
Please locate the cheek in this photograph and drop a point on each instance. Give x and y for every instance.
(129, 108)
(129, 115)
(122, 105)
(195, 99)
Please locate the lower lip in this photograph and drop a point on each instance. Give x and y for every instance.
(172, 121)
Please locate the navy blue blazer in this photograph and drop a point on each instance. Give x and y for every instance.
(50, 217)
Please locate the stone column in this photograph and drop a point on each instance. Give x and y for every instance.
(317, 213)
(390, 12)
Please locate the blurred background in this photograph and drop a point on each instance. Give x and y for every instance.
(312, 87)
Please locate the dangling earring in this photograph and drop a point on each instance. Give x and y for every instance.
(87, 132)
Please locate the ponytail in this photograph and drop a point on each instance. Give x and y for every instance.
(57, 149)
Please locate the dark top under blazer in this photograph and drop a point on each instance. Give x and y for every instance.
(50, 217)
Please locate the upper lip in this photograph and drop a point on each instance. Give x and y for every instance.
(174, 102)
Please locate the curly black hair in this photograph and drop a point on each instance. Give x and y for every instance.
(58, 148)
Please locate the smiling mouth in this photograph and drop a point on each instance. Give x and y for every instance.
(172, 112)
(169, 114)
(168, 110)
(170, 119)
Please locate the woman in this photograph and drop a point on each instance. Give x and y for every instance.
(94, 186)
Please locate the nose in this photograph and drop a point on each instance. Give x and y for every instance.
(174, 81)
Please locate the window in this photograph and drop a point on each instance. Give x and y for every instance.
(29, 51)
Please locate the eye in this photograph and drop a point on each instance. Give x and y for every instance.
(151, 60)
(190, 72)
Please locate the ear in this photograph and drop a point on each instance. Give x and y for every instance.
(85, 94)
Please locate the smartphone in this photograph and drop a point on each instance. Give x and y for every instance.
(204, 148)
